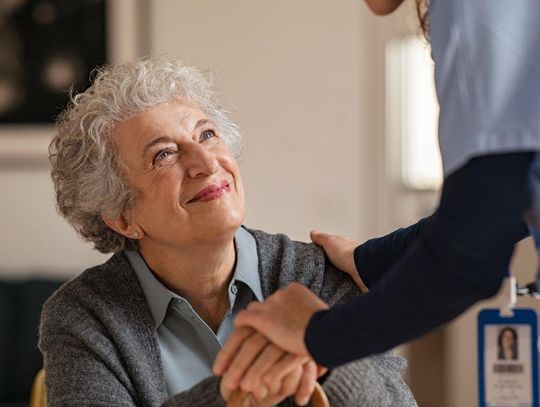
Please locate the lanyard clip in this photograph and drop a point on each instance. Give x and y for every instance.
(507, 296)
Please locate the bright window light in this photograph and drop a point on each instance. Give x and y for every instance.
(413, 109)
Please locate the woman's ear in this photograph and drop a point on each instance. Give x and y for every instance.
(124, 227)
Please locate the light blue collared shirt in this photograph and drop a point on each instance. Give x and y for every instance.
(188, 345)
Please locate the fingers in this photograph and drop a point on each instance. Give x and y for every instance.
(273, 317)
(319, 238)
(250, 317)
(330, 242)
(225, 392)
(307, 384)
(251, 347)
(340, 251)
(292, 381)
(287, 387)
(300, 382)
(257, 315)
(261, 392)
(229, 351)
(321, 371)
(282, 368)
(268, 357)
(264, 370)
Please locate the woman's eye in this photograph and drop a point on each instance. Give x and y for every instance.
(207, 134)
(161, 155)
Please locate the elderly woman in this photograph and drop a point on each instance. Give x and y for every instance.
(144, 166)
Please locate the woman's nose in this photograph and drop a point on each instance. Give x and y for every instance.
(199, 161)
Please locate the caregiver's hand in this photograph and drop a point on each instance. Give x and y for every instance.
(249, 361)
(340, 251)
(283, 317)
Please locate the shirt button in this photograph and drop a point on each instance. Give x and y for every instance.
(234, 289)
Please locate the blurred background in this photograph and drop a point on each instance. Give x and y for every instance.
(339, 117)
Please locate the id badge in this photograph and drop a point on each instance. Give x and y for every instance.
(508, 358)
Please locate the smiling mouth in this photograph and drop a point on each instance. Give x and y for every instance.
(212, 192)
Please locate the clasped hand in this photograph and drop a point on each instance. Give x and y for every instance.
(269, 374)
(266, 356)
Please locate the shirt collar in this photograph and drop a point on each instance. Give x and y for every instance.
(158, 296)
(247, 262)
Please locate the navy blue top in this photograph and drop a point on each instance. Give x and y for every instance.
(427, 274)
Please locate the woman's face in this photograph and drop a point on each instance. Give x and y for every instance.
(189, 185)
(507, 339)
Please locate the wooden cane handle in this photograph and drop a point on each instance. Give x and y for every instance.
(319, 398)
(240, 399)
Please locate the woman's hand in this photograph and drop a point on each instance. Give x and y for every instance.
(340, 251)
(269, 374)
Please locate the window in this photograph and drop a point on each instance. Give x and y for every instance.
(412, 113)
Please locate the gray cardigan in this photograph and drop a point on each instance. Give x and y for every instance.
(99, 345)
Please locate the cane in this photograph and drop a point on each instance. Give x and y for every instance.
(241, 399)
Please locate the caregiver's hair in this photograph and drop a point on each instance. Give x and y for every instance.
(422, 13)
(88, 178)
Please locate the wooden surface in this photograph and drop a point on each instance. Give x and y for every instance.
(37, 397)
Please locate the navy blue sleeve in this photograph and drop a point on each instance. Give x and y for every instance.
(460, 258)
(374, 257)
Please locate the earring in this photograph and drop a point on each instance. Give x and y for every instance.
(136, 234)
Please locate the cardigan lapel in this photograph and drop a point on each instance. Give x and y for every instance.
(137, 342)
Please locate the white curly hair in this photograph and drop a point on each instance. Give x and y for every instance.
(87, 176)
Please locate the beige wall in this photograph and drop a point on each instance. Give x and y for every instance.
(33, 238)
(293, 74)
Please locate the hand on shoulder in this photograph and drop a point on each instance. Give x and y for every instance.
(340, 251)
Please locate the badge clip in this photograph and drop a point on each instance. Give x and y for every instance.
(507, 296)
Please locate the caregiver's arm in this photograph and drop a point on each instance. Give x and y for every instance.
(461, 257)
